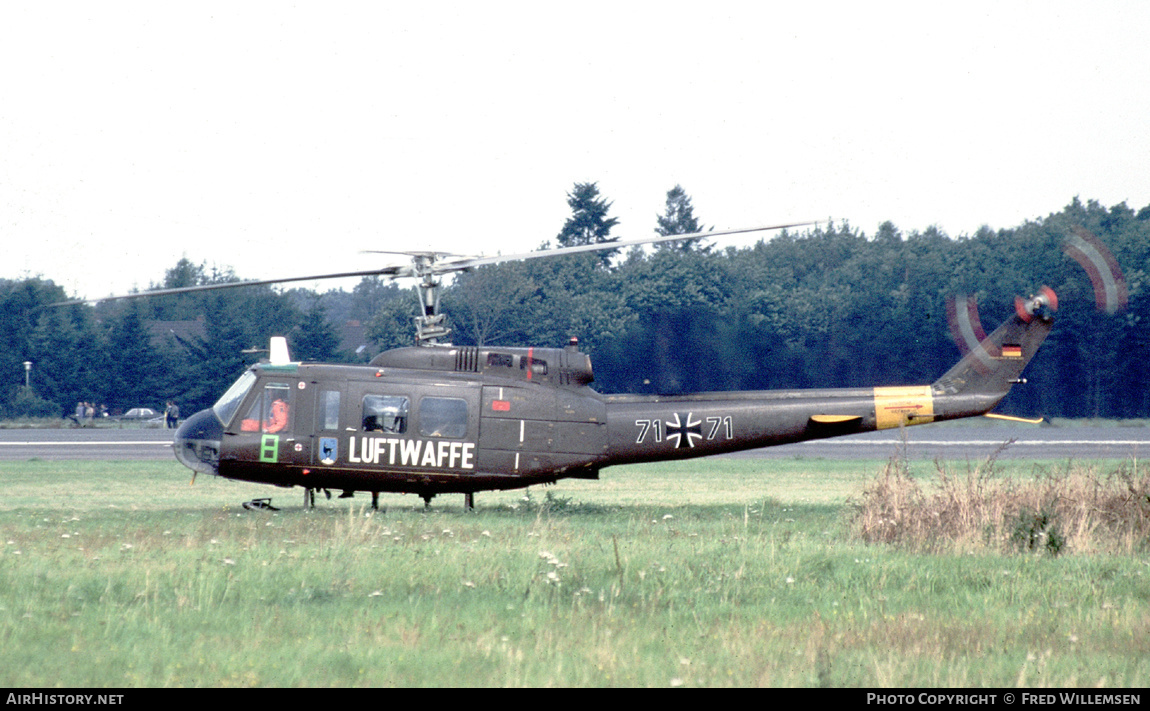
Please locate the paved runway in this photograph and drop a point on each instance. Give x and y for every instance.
(953, 442)
(94, 443)
(973, 442)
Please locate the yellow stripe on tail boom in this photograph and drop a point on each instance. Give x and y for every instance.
(910, 405)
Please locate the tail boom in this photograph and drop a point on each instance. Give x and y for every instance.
(654, 427)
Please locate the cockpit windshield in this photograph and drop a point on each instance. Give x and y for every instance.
(226, 406)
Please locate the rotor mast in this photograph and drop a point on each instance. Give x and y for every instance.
(429, 326)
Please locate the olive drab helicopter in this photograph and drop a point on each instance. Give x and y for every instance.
(437, 418)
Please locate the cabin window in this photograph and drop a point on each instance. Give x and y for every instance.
(385, 413)
(329, 409)
(271, 411)
(537, 366)
(443, 417)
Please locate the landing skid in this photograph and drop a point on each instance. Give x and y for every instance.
(309, 500)
(260, 505)
(309, 497)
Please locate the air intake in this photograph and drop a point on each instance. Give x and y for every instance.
(467, 360)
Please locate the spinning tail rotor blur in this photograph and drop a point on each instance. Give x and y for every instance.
(1110, 294)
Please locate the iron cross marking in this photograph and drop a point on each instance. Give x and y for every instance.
(683, 429)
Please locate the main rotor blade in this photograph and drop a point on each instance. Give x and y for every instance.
(452, 262)
(392, 272)
(421, 268)
(469, 263)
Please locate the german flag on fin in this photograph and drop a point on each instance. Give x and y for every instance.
(1010, 350)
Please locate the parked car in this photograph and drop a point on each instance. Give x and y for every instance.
(140, 413)
(144, 417)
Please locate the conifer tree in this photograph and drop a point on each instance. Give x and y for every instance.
(588, 223)
(679, 219)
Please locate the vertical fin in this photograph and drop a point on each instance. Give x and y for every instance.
(998, 360)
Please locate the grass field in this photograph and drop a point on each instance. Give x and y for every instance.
(721, 572)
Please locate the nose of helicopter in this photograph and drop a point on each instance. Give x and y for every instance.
(197, 442)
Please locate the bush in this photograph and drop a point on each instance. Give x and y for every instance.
(1037, 530)
(27, 403)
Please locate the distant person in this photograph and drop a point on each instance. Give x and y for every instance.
(171, 415)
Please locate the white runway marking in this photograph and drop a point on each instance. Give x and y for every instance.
(82, 444)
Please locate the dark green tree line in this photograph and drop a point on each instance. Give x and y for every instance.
(829, 306)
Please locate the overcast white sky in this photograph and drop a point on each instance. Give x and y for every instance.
(282, 138)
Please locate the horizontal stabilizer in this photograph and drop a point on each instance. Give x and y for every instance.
(834, 419)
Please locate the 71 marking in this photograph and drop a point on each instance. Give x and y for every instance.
(715, 426)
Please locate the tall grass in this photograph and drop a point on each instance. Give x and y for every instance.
(1072, 508)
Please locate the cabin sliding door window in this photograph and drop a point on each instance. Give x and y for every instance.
(443, 417)
(385, 413)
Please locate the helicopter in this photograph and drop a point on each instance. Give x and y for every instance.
(437, 418)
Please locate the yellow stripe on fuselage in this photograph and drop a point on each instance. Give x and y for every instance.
(903, 405)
